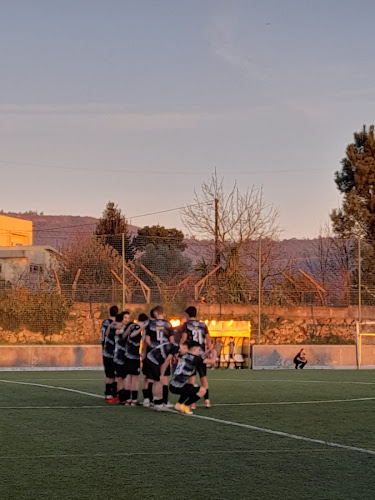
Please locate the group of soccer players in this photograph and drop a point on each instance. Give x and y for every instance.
(163, 352)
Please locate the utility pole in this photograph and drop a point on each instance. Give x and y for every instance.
(123, 271)
(217, 251)
(359, 281)
(259, 290)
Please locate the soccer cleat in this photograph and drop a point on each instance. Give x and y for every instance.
(160, 407)
(193, 406)
(168, 405)
(179, 407)
(128, 402)
(207, 403)
(146, 403)
(187, 410)
(113, 401)
(136, 403)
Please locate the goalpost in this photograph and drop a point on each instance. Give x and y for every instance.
(363, 329)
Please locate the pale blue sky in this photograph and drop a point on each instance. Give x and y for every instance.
(138, 101)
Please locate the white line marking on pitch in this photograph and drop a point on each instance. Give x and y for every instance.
(291, 381)
(225, 422)
(53, 387)
(285, 434)
(296, 402)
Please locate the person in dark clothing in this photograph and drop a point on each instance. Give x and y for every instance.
(232, 352)
(300, 359)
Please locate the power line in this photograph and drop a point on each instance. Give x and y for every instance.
(162, 172)
(127, 218)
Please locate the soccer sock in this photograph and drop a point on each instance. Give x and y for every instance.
(182, 399)
(108, 390)
(192, 399)
(127, 394)
(122, 395)
(134, 395)
(158, 402)
(206, 396)
(150, 384)
(114, 389)
(145, 394)
(165, 394)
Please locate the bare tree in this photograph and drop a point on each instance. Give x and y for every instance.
(242, 218)
(242, 215)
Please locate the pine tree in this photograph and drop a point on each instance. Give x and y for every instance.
(111, 226)
(356, 218)
(356, 181)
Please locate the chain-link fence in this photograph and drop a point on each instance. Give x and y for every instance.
(168, 269)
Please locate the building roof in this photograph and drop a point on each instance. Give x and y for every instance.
(20, 251)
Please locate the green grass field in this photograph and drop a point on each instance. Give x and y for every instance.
(57, 444)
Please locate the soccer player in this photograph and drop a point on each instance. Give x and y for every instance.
(189, 394)
(105, 325)
(156, 364)
(159, 331)
(194, 331)
(133, 359)
(146, 386)
(108, 362)
(300, 359)
(121, 332)
(112, 315)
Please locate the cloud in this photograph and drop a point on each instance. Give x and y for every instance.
(225, 45)
(109, 116)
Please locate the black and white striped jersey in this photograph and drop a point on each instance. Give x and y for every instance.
(110, 342)
(197, 331)
(103, 329)
(160, 353)
(186, 368)
(159, 331)
(133, 343)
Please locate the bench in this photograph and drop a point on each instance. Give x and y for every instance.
(238, 360)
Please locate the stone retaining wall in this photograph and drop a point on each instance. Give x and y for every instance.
(280, 325)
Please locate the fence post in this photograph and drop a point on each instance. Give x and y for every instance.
(123, 271)
(359, 281)
(259, 289)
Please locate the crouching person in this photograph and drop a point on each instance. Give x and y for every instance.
(189, 394)
(300, 359)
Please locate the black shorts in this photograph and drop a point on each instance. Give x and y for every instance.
(151, 370)
(202, 370)
(132, 366)
(187, 390)
(168, 371)
(120, 370)
(109, 367)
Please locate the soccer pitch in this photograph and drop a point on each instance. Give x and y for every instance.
(272, 435)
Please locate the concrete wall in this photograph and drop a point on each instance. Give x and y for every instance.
(318, 356)
(43, 356)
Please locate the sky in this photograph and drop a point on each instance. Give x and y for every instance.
(139, 102)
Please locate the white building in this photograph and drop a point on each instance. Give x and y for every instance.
(26, 265)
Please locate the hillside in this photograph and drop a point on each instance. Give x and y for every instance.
(59, 231)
